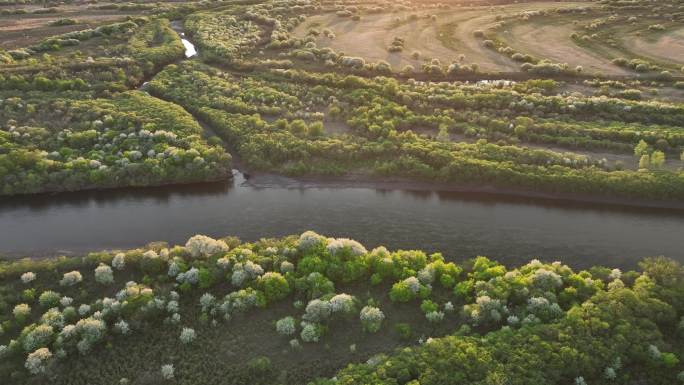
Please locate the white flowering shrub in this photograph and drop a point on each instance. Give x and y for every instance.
(152, 263)
(243, 272)
(408, 289)
(543, 309)
(187, 335)
(238, 277)
(309, 241)
(66, 301)
(133, 290)
(654, 352)
(83, 309)
(426, 275)
(434, 316)
(413, 284)
(241, 301)
(223, 263)
(37, 361)
(91, 330)
(122, 327)
(191, 276)
(173, 319)
(28, 277)
(342, 304)
(448, 307)
(546, 280)
(110, 307)
(371, 318)
(207, 302)
(71, 278)
(270, 251)
(203, 246)
(53, 317)
(287, 267)
(317, 311)
(119, 261)
(615, 274)
(38, 337)
(174, 269)
(167, 372)
(286, 326)
(21, 311)
(172, 306)
(311, 332)
(67, 332)
(150, 254)
(486, 310)
(253, 270)
(616, 284)
(513, 320)
(344, 245)
(243, 253)
(104, 274)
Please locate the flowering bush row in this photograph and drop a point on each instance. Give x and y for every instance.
(132, 139)
(381, 115)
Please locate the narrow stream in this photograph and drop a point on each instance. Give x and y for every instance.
(189, 47)
(190, 51)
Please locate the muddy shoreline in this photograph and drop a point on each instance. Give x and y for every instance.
(266, 180)
(271, 180)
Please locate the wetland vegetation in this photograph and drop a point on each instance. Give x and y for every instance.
(580, 100)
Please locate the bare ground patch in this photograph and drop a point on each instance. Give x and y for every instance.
(372, 35)
(553, 42)
(668, 47)
(450, 35)
(25, 30)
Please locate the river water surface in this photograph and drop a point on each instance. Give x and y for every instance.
(460, 225)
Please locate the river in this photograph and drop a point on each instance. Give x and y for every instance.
(461, 225)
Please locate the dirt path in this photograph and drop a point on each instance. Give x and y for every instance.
(553, 42)
(473, 47)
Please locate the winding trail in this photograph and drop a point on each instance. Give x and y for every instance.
(553, 42)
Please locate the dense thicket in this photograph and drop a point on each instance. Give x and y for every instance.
(57, 142)
(289, 310)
